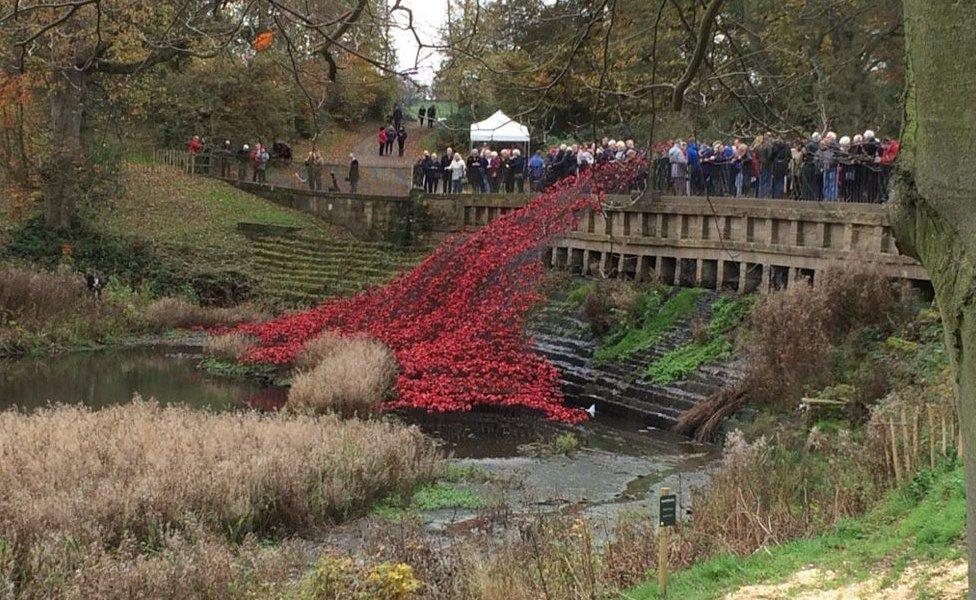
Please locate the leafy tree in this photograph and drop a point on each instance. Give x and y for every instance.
(83, 46)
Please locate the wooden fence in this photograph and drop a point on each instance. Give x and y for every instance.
(180, 159)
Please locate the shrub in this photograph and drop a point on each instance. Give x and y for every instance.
(39, 296)
(178, 313)
(794, 331)
(596, 310)
(133, 473)
(353, 379)
(41, 311)
(229, 345)
(335, 577)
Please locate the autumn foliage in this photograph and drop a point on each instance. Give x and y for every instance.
(455, 321)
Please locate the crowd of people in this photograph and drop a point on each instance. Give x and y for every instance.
(250, 162)
(821, 168)
(506, 170)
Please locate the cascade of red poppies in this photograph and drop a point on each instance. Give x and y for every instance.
(455, 322)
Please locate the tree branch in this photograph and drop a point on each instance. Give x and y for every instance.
(704, 39)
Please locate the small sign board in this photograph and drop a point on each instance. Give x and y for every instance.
(668, 510)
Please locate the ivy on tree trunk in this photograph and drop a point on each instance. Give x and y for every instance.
(936, 194)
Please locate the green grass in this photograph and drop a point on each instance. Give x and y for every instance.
(922, 522)
(195, 215)
(444, 109)
(578, 294)
(627, 340)
(727, 314)
(686, 359)
(439, 495)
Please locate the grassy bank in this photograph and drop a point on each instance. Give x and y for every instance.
(921, 523)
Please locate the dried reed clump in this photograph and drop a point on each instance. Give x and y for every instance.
(184, 565)
(794, 331)
(596, 311)
(178, 313)
(318, 349)
(228, 345)
(138, 471)
(353, 378)
(39, 296)
(765, 493)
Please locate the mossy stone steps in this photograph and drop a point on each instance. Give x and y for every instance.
(301, 269)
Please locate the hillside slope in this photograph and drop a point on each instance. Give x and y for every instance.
(910, 546)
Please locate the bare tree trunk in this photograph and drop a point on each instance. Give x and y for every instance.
(935, 195)
(64, 169)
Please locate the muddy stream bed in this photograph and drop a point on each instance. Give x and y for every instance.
(618, 465)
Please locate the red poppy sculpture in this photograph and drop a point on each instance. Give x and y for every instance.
(455, 322)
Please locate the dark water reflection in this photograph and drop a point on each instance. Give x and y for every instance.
(171, 375)
(109, 377)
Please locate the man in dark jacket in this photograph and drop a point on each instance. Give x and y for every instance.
(401, 137)
(430, 173)
(391, 136)
(810, 173)
(421, 113)
(446, 160)
(781, 166)
(431, 115)
(353, 177)
(518, 170)
(475, 173)
(397, 117)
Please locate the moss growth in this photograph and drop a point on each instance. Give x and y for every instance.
(433, 496)
(686, 359)
(727, 314)
(626, 339)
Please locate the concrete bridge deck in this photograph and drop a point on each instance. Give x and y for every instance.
(739, 244)
(743, 244)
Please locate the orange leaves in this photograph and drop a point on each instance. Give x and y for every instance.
(262, 40)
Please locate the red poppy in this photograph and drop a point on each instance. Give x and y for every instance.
(455, 322)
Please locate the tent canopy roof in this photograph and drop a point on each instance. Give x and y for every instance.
(499, 128)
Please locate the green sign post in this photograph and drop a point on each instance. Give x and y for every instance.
(667, 514)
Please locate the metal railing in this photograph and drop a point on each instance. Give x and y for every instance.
(334, 177)
(845, 180)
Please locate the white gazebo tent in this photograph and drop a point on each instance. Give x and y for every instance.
(499, 127)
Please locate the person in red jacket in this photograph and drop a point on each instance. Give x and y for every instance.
(382, 139)
(194, 145)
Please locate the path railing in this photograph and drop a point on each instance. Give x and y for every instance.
(380, 181)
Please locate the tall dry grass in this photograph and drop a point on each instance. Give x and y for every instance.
(178, 313)
(351, 378)
(183, 566)
(792, 332)
(37, 295)
(231, 346)
(135, 474)
(318, 349)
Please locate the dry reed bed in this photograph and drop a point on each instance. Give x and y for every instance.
(350, 376)
(140, 471)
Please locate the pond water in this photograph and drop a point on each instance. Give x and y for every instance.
(106, 377)
(616, 467)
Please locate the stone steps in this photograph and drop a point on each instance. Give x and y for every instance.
(301, 269)
(564, 337)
